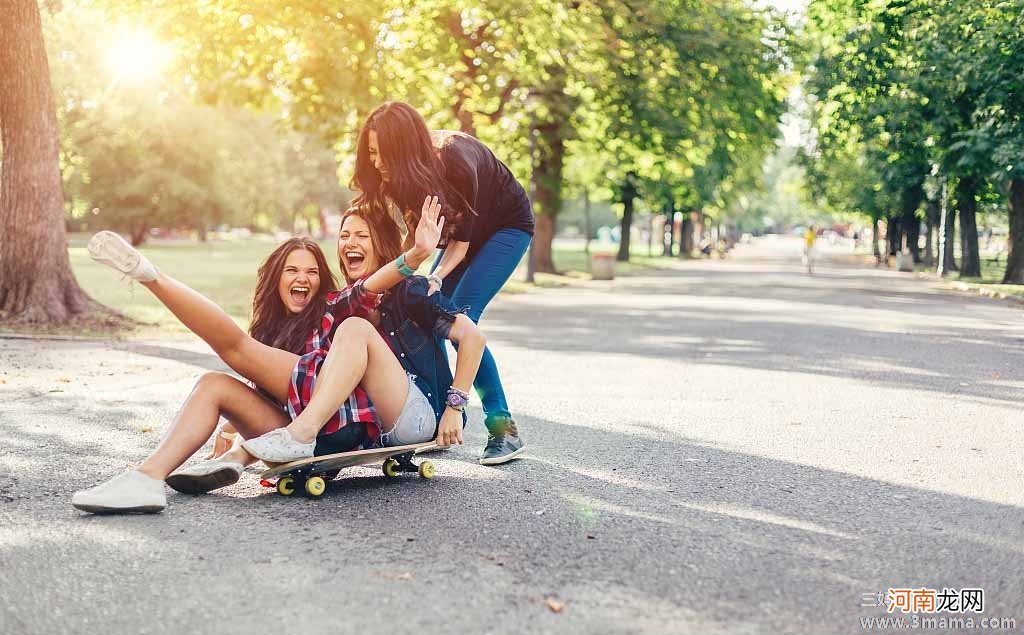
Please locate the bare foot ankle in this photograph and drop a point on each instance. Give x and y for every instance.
(300, 435)
(237, 455)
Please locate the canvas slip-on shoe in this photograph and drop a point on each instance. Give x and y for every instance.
(279, 446)
(131, 491)
(205, 476)
(110, 249)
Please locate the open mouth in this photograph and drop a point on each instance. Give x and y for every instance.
(300, 294)
(354, 259)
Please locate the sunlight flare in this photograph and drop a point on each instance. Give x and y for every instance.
(137, 56)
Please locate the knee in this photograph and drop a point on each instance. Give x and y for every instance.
(214, 382)
(356, 327)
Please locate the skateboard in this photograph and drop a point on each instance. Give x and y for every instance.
(313, 474)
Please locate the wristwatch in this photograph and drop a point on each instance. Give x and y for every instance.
(457, 399)
(436, 279)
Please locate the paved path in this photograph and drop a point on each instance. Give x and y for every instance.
(729, 447)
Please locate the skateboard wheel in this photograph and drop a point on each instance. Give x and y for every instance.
(286, 486)
(390, 468)
(315, 486)
(427, 470)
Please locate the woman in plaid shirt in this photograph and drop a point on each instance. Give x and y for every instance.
(280, 374)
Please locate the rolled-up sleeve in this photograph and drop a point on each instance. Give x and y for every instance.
(433, 313)
(352, 301)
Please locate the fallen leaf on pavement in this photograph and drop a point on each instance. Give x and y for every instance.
(555, 605)
(400, 576)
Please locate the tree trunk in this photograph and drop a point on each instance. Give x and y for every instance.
(624, 229)
(928, 258)
(932, 220)
(544, 233)
(1015, 259)
(912, 235)
(629, 194)
(587, 226)
(686, 237)
(547, 185)
(36, 282)
(650, 235)
(669, 229)
(893, 235)
(137, 234)
(910, 225)
(874, 239)
(967, 204)
(948, 239)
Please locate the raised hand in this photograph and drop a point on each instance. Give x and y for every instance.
(428, 229)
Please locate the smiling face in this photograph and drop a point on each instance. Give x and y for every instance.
(373, 145)
(300, 280)
(355, 249)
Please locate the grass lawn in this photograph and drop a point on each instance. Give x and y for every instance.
(990, 282)
(225, 272)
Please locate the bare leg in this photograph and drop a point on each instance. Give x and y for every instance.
(266, 366)
(358, 356)
(215, 394)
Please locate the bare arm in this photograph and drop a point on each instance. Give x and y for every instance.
(453, 254)
(471, 349)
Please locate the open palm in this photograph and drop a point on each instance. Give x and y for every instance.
(428, 229)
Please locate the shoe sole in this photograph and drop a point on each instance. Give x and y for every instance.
(103, 509)
(201, 484)
(103, 247)
(505, 458)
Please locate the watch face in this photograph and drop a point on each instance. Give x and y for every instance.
(456, 400)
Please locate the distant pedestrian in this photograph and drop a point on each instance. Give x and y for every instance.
(810, 237)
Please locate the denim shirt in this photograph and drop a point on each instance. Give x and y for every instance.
(416, 326)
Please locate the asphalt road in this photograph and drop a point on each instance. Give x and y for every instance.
(727, 447)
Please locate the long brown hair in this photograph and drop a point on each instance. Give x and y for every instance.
(385, 235)
(272, 323)
(415, 169)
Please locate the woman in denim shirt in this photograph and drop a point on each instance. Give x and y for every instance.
(396, 354)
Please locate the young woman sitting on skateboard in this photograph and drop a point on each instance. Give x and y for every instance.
(408, 415)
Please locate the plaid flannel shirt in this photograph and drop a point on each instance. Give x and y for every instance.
(352, 301)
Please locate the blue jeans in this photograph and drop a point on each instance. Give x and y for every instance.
(474, 284)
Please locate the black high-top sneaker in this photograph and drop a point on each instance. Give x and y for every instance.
(503, 442)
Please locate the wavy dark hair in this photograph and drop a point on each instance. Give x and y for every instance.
(385, 235)
(416, 171)
(272, 323)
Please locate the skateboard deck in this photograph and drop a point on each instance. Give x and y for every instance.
(313, 474)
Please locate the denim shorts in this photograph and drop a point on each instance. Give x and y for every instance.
(416, 423)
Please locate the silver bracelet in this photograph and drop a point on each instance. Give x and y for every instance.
(436, 279)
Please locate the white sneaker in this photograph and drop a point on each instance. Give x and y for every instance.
(205, 476)
(112, 250)
(132, 491)
(279, 446)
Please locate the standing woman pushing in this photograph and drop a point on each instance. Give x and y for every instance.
(489, 226)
